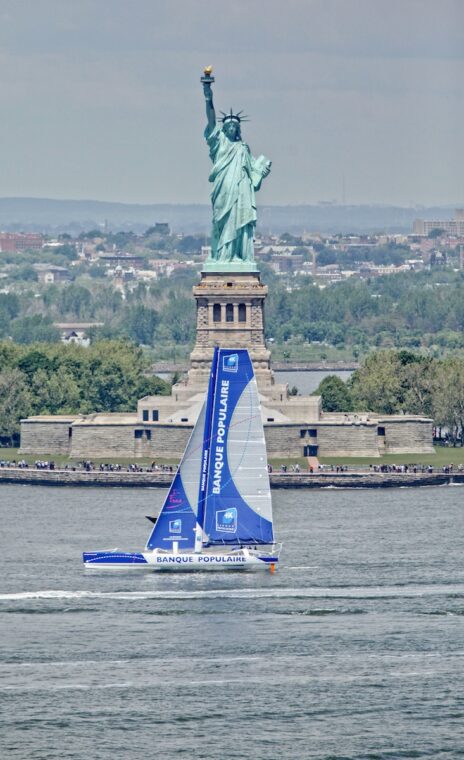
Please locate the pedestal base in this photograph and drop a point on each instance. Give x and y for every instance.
(230, 314)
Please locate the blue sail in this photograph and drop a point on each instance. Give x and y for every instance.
(178, 517)
(238, 501)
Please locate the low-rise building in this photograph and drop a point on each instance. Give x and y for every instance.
(450, 226)
(76, 332)
(49, 273)
(14, 242)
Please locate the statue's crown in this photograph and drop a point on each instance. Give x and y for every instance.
(233, 117)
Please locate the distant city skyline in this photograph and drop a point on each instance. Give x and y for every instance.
(354, 101)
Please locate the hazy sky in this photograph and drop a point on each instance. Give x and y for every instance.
(101, 99)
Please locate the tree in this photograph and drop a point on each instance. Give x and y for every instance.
(33, 330)
(68, 251)
(326, 256)
(389, 382)
(15, 403)
(90, 235)
(286, 237)
(76, 300)
(336, 396)
(140, 323)
(189, 244)
(436, 233)
(376, 385)
(4, 322)
(9, 354)
(115, 378)
(448, 397)
(63, 393)
(57, 379)
(179, 316)
(34, 360)
(9, 302)
(25, 273)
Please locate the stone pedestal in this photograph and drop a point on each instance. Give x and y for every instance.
(230, 314)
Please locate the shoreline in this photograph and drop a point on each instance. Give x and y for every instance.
(166, 367)
(123, 479)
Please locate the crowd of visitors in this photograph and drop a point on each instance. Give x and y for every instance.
(39, 464)
(387, 468)
(284, 469)
(88, 466)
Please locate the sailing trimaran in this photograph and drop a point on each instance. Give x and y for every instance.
(218, 511)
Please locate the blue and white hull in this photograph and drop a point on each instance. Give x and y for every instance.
(239, 559)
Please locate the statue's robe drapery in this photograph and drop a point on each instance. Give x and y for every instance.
(235, 176)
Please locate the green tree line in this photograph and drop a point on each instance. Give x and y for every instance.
(160, 312)
(406, 310)
(397, 382)
(109, 376)
(409, 309)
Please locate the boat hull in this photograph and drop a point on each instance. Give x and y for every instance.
(183, 562)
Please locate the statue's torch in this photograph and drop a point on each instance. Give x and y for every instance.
(207, 78)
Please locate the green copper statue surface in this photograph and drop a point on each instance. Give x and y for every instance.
(235, 176)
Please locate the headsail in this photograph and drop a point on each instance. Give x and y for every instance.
(178, 517)
(238, 505)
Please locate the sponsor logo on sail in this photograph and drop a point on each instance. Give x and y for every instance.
(226, 520)
(230, 363)
(219, 453)
(175, 526)
(174, 499)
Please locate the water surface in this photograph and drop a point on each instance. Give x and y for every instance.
(354, 649)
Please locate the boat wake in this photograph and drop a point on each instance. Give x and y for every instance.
(335, 592)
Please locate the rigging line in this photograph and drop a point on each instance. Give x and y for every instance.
(240, 422)
(208, 440)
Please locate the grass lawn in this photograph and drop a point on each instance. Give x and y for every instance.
(443, 455)
(60, 460)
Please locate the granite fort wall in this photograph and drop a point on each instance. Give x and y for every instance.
(45, 437)
(169, 440)
(101, 441)
(347, 440)
(283, 440)
(332, 440)
(408, 437)
(157, 441)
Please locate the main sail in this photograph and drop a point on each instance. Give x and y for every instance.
(238, 508)
(222, 484)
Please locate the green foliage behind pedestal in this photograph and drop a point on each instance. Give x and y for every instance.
(397, 382)
(109, 376)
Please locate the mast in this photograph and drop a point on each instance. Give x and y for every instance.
(205, 459)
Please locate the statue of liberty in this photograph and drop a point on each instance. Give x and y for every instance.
(235, 176)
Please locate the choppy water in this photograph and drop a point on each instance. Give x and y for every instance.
(354, 649)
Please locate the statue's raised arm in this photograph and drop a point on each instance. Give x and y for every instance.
(235, 175)
(207, 80)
